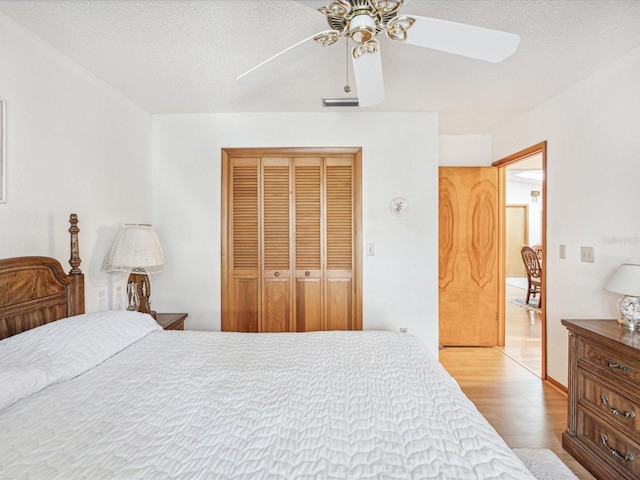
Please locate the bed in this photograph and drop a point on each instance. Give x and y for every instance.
(113, 395)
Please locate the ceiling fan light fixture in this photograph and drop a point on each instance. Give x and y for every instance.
(386, 6)
(340, 102)
(397, 28)
(372, 46)
(327, 38)
(337, 8)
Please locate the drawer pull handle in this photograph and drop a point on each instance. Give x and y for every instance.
(277, 274)
(628, 457)
(617, 366)
(615, 411)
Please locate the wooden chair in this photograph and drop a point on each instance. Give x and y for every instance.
(538, 249)
(534, 273)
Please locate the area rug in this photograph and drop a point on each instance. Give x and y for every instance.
(544, 464)
(522, 303)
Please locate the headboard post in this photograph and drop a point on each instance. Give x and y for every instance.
(74, 261)
(76, 300)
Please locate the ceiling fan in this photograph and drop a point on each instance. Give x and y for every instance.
(363, 20)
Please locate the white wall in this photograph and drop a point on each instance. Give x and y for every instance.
(400, 158)
(74, 145)
(465, 151)
(593, 194)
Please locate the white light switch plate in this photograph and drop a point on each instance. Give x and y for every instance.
(562, 251)
(586, 254)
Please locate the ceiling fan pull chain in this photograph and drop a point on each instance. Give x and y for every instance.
(347, 88)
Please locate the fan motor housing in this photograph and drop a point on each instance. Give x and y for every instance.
(361, 13)
(362, 28)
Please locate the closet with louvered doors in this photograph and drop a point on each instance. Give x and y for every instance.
(291, 248)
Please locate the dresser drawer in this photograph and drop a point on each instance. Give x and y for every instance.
(610, 444)
(617, 408)
(610, 363)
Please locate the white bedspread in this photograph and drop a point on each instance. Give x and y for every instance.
(352, 405)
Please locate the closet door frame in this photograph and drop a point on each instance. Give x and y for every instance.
(300, 152)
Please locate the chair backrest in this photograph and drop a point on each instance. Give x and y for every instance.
(538, 250)
(531, 261)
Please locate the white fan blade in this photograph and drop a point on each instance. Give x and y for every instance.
(367, 70)
(467, 40)
(282, 59)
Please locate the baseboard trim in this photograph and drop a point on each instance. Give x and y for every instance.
(557, 385)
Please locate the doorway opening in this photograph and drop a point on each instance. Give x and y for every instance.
(523, 208)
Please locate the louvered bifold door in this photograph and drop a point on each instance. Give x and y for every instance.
(244, 246)
(276, 246)
(308, 244)
(339, 284)
(291, 239)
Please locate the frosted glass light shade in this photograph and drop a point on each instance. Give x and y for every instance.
(136, 249)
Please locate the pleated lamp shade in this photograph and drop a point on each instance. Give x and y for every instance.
(136, 249)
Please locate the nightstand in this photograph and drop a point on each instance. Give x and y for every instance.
(171, 321)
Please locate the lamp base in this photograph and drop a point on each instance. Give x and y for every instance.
(143, 288)
(629, 324)
(629, 312)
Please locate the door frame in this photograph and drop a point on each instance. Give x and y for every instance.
(539, 148)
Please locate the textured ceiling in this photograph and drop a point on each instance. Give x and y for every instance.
(183, 56)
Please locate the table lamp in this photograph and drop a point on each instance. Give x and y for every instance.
(136, 249)
(626, 281)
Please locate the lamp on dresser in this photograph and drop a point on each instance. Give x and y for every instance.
(136, 249)
(626, 281)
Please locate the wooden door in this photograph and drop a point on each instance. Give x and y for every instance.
(468, 256)
(241, 290)
(308, 215)
(339, 285)
(517, 234)
(276, 246)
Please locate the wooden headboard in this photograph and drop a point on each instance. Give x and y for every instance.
(36, 290)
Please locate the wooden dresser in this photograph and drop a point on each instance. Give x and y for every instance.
(603, 418)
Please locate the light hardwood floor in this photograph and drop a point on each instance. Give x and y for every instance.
(526, 411)
(523, 331)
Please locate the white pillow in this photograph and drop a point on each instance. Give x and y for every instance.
(64, 349)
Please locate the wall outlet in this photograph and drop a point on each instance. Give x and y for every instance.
(562, 251)
(586, 254)
(403, 330)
